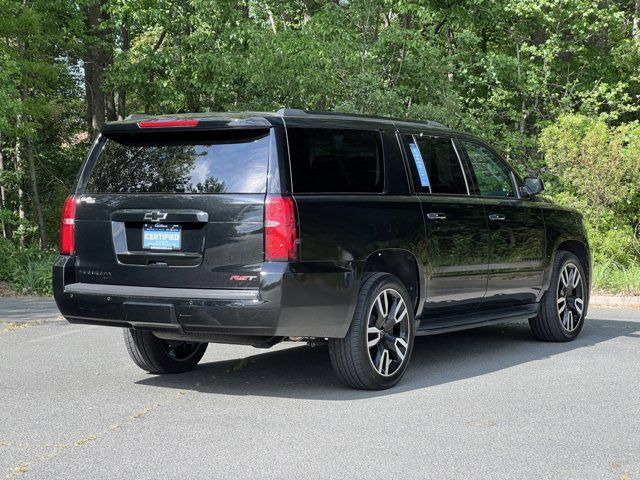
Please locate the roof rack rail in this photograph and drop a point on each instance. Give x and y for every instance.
(299, 112)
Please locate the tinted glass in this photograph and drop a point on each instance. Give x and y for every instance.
(435, 165)
(196, 162)
(493, 177)
(330, 160)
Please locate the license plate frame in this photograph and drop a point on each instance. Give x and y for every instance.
(161, 236)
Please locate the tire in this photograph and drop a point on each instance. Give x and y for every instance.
(155, 355)
(552, 323)
(369, 368)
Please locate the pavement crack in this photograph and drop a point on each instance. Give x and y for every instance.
(11, 326)
(87, 439)
(17, 470)
(33, 445)
(146, 410)
(58, 449)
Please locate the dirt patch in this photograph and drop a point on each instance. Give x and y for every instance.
(615, 301)
(7, 291)
(10, 327)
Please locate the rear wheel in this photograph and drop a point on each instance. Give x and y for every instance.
(564, 305)
(376, 350)
(156, 355)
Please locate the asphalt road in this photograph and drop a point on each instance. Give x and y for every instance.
(487, 403)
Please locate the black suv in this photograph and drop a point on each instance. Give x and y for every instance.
(254, 228)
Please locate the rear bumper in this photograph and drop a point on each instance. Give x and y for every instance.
(293, 300)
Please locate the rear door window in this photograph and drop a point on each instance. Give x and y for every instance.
(435, 165)
(224, 161)
(336, 160)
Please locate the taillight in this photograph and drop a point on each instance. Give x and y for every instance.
(168, 123)
(67, 227)
(280, 230)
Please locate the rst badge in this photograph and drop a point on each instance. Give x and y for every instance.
(242, 278)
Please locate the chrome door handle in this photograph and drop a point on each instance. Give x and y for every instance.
(436, 216)
(496, 217)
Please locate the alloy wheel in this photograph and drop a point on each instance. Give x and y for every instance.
(570, 298)
(388, 332)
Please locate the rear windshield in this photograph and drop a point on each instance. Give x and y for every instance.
(228, 161)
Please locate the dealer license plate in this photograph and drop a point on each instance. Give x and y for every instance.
(158, 236)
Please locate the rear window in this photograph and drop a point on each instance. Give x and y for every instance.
(336, 160)
(184, 162)
(435, 165)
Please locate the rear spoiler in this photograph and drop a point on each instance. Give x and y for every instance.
(139, 123)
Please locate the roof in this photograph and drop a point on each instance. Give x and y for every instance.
(290, 117)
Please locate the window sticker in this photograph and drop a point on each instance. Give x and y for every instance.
(417, 158)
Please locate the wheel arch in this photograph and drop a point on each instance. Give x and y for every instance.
(580, 249)
(404, 265)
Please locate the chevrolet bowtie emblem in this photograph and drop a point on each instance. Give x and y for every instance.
(155, 216)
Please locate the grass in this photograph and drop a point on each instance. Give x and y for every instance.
(615, 279)
(26, 269)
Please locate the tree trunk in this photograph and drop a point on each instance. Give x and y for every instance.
(122, 104)
(97, 101)
(272, 20)
(110, 106)
(523, 110)
(96, 59)
(306, 12)
(636, 23)
(122, 94)
(18, 170)
(450, 45)
(88, 95)
(18, 155)
(36, 194)
(3, 199)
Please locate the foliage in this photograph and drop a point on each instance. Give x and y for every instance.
(619, 246)
(504, 70)
(614, 278)
(596, 165)
(596, 168)
(27, 269)
(40, 101)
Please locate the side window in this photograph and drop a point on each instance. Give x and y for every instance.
(332, 160)
(492, 175)
(435, 165)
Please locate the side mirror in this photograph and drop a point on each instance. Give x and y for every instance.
(532, 186)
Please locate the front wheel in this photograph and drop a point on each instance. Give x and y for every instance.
(564, 305)
(376, 350)
(156, 355)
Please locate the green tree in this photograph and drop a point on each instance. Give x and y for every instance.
(596, 168)
(504, 70)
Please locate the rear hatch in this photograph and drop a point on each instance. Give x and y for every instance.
(178, 208)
